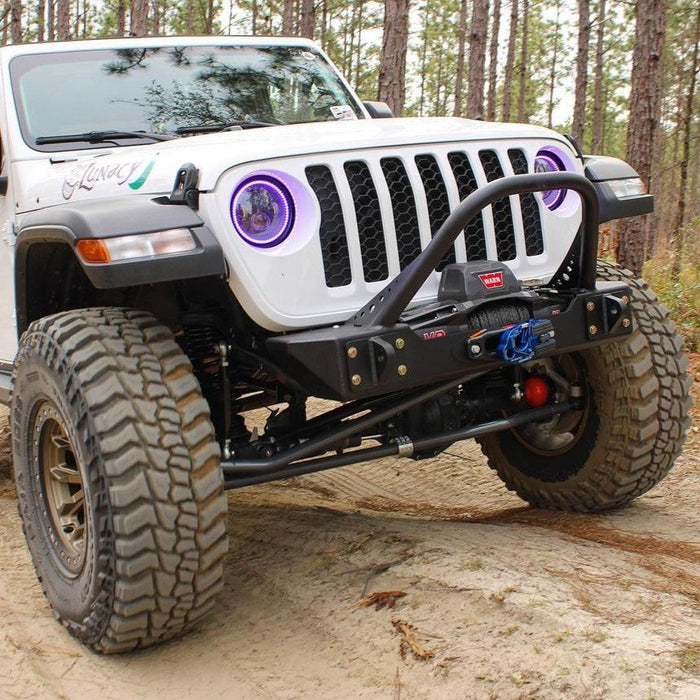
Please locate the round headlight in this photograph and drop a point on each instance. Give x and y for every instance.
(262, 211)
(549, 162)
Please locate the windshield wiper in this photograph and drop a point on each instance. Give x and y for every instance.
(222, 126)
(101, 137)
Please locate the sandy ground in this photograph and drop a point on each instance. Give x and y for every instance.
(501, 600)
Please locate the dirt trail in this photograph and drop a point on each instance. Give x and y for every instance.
(507, 601)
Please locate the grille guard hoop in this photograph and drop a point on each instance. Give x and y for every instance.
(386, 307)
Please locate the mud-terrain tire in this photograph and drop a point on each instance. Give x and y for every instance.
(639, 402)
(118, 476)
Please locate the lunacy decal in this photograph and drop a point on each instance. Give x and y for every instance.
(87, 176)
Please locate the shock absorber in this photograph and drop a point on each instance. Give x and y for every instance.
(225, 393)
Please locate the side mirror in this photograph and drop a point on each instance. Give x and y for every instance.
(3, 185)
(378, 110)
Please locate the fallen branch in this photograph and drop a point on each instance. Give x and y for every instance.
(382, 599)
(410, 641)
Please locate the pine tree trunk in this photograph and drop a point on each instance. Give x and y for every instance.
(598, 104)
(440, 84)
(553, 66)
(493, 61)
(461, 52)
(189, 17)
(40, 20)
(51, 19)
(346, 36)
(324, 23)
(16, 21)
(139, 18)
(358, 57)
(477, 59)
(308, 18)
(678, 242)
(392, 69)
(351, 43)
(645, 103)
(121, 18)
(581, 86)
(288, 18)
(522, 92)
(63, 20)
(156, 17)
(510, 62)
(423, 62)
(209, 22)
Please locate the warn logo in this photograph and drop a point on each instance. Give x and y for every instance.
(432, 335)
(492, 280)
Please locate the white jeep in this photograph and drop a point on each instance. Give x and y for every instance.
(195, 228)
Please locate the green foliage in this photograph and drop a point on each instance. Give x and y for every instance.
(681, 295)
(433, 54)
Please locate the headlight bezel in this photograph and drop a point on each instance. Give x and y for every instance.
(274, 202)
(547, 160)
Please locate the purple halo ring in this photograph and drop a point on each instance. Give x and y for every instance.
(262, 211)
(549, 162)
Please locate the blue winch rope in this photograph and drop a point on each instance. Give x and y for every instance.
(518, 343)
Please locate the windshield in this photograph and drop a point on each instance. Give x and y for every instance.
(161, 90)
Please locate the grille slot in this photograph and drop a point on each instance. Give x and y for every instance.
(502, 215)
(475, 237)
(530, 210)
(334, 242)
(403, 205)
(436, 198)
(369, 221)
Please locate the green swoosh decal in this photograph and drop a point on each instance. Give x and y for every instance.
(138, 182)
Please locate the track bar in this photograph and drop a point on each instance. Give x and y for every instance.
(235, 479)
(334, 438)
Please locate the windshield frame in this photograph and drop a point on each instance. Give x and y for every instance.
(44, 57)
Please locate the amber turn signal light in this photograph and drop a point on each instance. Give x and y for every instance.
(93, 251)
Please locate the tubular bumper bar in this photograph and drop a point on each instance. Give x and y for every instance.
(386, 307)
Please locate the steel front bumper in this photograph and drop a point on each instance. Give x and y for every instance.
(378, 351)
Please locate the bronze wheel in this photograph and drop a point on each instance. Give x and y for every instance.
(557, 435)
(62, 485)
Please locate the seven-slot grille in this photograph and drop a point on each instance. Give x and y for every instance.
(427, 194)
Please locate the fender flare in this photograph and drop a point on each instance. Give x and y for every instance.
(123, 216)
(601, 170)
(120, 216)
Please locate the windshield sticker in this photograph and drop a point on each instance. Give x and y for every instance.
(87, 176)
(343, 112)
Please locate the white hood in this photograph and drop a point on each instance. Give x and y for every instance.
(151, 169)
